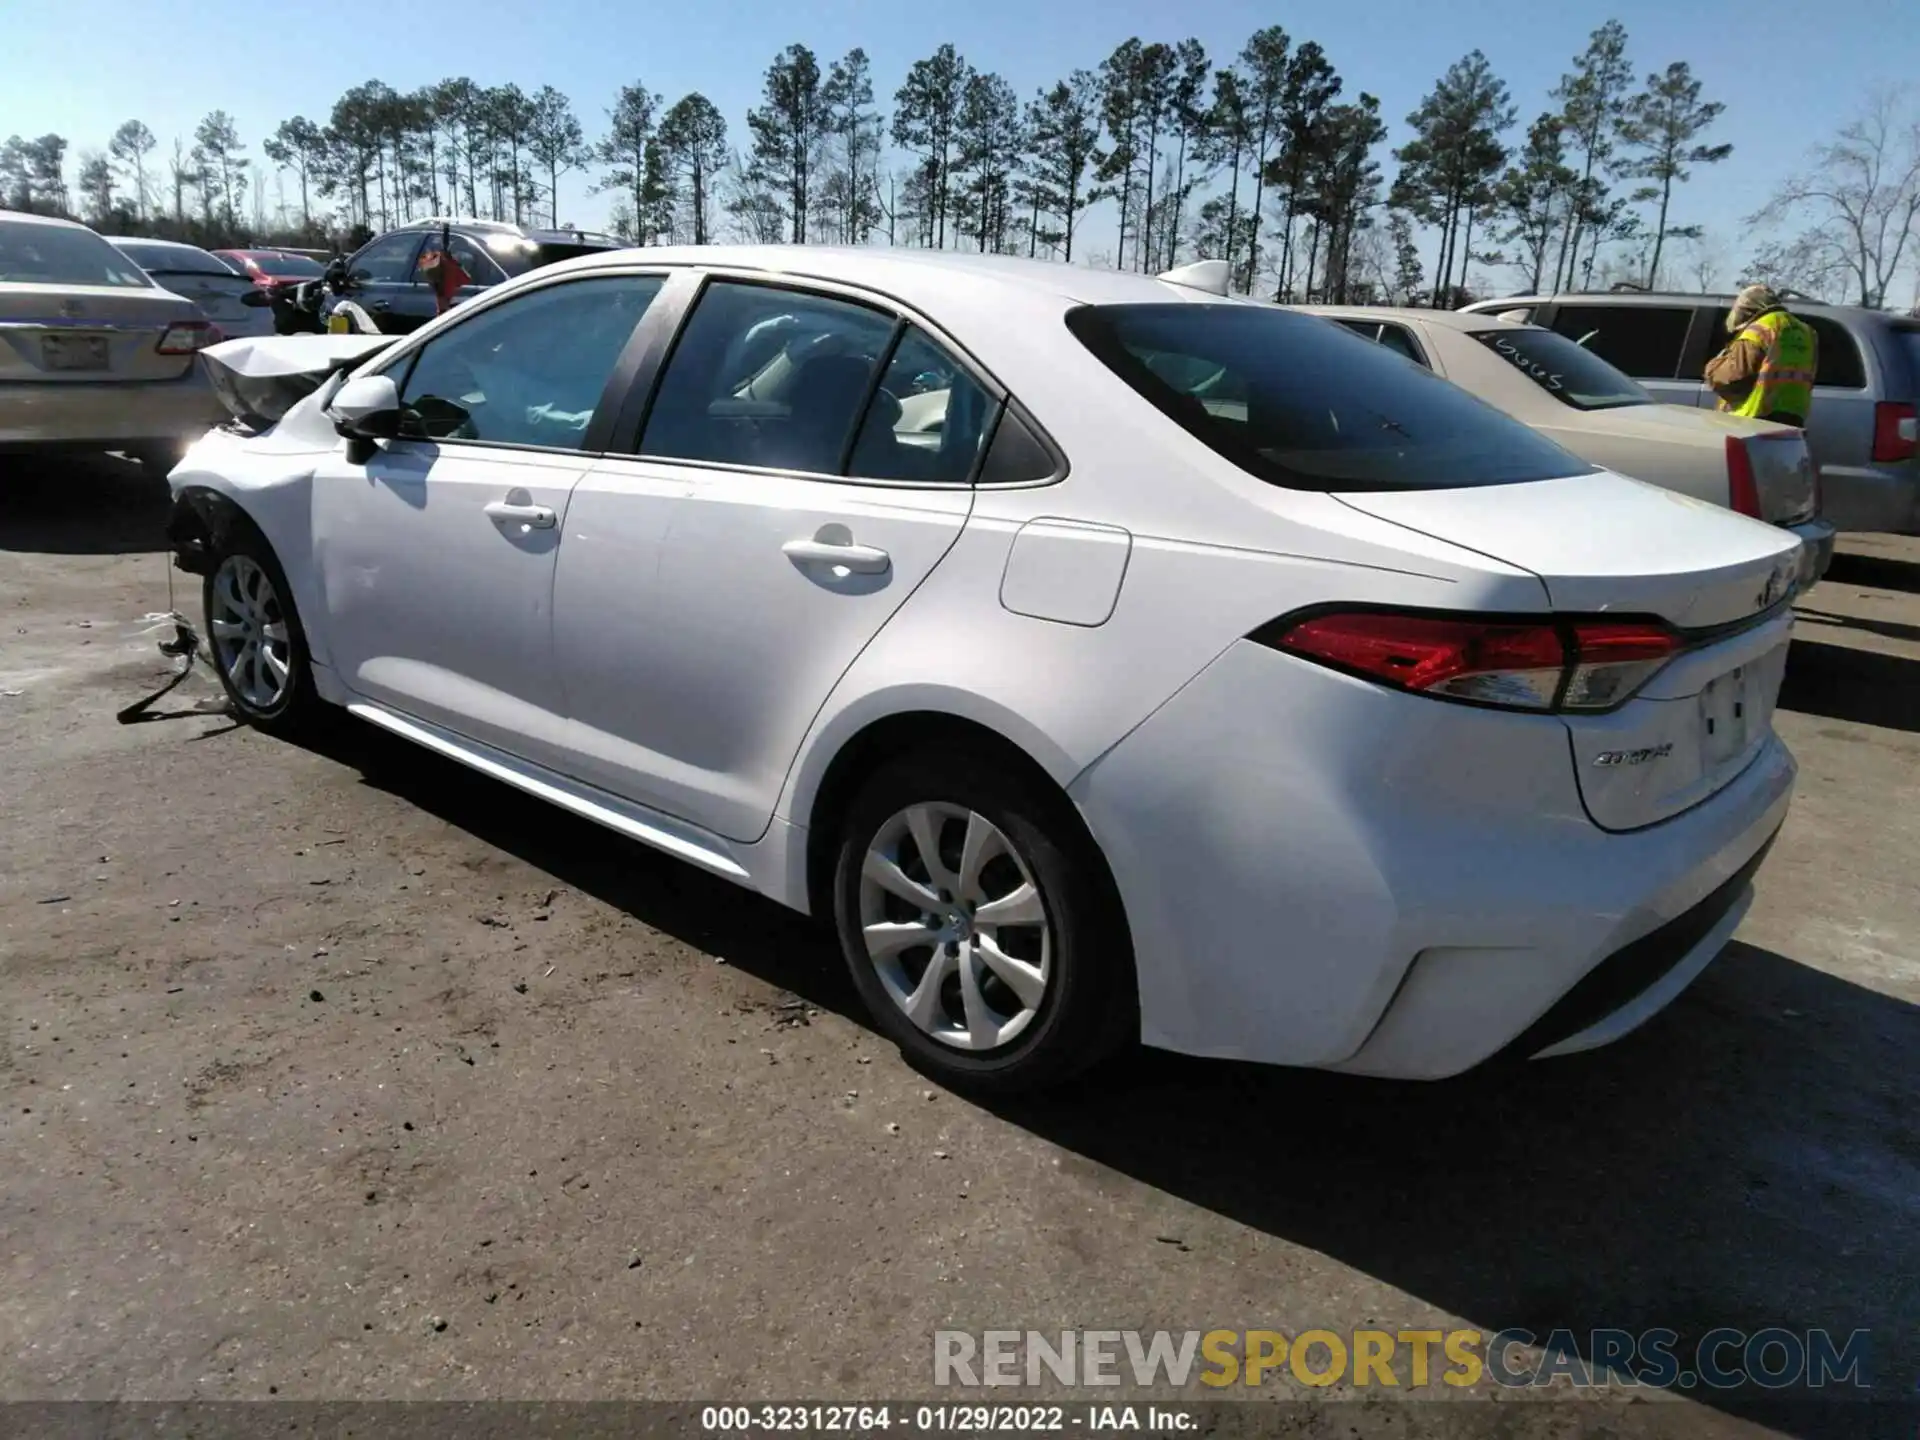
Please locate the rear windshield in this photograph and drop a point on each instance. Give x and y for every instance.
(58, 255)
(165, 259)
(1303, 403)
(1570, 373)
(288, 265)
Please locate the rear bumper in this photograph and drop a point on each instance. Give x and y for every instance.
(1881, 499)
(1816, 536)
(108, 415)
(1319, 872)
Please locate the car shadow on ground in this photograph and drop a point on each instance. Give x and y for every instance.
(1750, 1159)
(81, 505)
(1874, 572)
(1887, 629)
(1839, 682)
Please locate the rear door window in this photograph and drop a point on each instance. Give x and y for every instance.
(925, 420)
(1309, 406)
(1839, 364)
(767, 377)
(1646, 341)
(1399, 339)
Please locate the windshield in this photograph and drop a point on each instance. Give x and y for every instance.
(164, 259)
(1303, 403)
(34, 254)
(1570, 373)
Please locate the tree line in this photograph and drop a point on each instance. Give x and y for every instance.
(1261, 158)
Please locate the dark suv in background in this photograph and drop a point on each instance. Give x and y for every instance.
(386, 281)
(1864, 430)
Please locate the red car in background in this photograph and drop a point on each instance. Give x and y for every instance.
(268, 268)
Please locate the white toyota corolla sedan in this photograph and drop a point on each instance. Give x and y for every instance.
(1103, 657)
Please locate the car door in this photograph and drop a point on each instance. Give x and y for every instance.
(1648, 342)
(716, 585)
(436, 553)
(383, 281)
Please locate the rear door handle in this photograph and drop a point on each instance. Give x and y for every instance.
(379, 304)
(535, 517)
(860, 559)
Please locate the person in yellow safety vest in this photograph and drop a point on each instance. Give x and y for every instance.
(1767, 370)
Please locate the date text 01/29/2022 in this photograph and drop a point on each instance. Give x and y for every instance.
(937, 1419)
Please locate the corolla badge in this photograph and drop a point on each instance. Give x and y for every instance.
(1634, 757)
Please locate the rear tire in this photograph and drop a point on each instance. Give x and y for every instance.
(999, 963)
(254, 639)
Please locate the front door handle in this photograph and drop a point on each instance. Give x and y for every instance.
(859, 559)
(534, 517)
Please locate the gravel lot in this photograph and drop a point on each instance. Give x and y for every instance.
(338, 1072)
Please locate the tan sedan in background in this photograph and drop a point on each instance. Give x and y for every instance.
(1583, 403)
(93, 354)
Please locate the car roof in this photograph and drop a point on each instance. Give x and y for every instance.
(27, 217)
(919, 278)
(1715, 298)
(1444, 319)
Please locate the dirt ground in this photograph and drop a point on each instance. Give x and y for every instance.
(339, 1072)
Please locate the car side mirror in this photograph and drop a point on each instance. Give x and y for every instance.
(257, 300)
(366, 409)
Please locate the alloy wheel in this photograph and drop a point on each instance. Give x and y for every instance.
(251, 643)
(954, 926)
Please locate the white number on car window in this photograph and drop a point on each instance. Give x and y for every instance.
(1539, 372)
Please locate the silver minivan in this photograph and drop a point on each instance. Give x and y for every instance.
(1865, 426)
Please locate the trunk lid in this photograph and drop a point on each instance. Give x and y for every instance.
(80, 334)
(218, 296)
(1605, 545)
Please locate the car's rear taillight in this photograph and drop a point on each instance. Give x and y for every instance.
(1518, 665)
(1743, 494)
(186, 337)
(1896, 432)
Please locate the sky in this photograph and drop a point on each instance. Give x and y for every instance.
(1790, 74)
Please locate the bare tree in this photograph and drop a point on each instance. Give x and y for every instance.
(1861, 192)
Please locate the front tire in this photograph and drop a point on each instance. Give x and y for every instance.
(980, 925)
(254, 639)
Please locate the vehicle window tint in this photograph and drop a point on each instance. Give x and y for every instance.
(1306, 405)
(1399, 338)
(529, 372)
(35, 254)
(288, 265)
(1571, 374)
(925, 420)
(766, 377)
(387, 260)
(1365, 329)
(1838, 363)
(1016, 455)
(1643, 340)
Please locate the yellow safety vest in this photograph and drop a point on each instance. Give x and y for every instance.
(1785, 382)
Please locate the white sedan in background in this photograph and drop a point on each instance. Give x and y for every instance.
(93, 354)
(1582, 402)
(202, 277)
(1102, 657)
